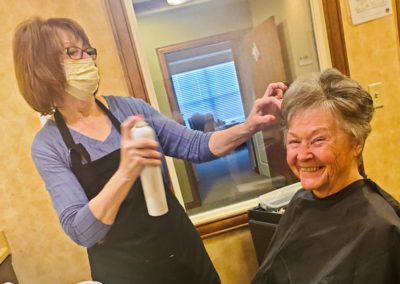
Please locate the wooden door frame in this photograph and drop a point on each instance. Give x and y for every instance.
(134, 77)
(174, 109)
(336, 40)
(161, 52)
(397, 8)
(127, 50)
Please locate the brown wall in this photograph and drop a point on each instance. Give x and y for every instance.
(41, 251)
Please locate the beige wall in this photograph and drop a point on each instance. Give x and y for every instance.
(233, 256)
(42, 253)
(373, 53)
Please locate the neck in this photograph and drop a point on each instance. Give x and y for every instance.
(74, 110)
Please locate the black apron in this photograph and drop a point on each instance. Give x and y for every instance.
(138, 248)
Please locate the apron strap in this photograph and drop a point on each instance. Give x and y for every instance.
(78, 152)
(114, 120)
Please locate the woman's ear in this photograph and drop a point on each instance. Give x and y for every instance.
(358, 148)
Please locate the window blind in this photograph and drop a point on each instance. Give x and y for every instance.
(212, 89)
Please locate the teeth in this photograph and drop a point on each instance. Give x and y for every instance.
(313, 169)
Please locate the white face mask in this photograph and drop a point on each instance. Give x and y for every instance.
(82, 78)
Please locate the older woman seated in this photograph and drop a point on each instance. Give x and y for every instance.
(341, 227)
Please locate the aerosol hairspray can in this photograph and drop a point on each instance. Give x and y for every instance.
(151, 177)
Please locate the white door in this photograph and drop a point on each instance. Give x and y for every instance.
(263, 64)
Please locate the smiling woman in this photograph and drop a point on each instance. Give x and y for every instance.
(341, 227)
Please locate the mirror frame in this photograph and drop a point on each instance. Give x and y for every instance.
(397, 8)
(131, 66)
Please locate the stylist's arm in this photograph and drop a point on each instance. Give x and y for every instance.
(135, 154)
(260, 117)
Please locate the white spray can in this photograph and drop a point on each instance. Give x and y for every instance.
(151, 177)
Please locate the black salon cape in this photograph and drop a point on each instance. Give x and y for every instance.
(352, 236)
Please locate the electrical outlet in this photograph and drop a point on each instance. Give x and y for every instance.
(375, 90)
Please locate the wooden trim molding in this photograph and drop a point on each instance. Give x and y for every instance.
(223, 225)
(126, 48)
(334, 27)
(397, 8)
(130, 63)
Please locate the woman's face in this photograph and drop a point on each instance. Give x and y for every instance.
(320, 153)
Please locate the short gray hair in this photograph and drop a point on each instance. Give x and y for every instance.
(335, 92)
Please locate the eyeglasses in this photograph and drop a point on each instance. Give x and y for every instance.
(77, 53)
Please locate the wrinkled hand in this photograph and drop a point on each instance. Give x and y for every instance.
(263, 112)
(138, 153)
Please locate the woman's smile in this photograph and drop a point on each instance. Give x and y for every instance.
(309, 169)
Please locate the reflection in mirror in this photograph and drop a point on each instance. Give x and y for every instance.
(209, 60)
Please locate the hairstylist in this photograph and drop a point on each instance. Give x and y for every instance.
(91, 166)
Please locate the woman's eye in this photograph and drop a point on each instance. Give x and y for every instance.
(293, 142)
(318, 140)
(73, 51)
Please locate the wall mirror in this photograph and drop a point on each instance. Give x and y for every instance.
(208, 61)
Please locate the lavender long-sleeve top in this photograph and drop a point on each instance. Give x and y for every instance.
(52, 160)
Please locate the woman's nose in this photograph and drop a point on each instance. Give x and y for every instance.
(85, 55)
(304, 152)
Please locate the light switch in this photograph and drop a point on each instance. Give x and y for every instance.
(304, 60)
(375, 90)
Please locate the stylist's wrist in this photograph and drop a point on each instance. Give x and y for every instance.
(249, 127)
(127, 175)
